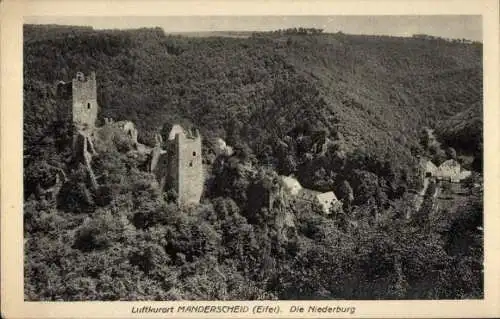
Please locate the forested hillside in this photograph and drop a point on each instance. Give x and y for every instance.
(340, 112)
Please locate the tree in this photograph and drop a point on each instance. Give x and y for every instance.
(451, 153)
(346, 194)
(125, 241)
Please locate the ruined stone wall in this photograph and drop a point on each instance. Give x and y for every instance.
(186, 169)
(161, 170)
(84, 93)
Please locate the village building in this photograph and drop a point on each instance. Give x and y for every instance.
(451, 171)
(325, 200)
(428, 168)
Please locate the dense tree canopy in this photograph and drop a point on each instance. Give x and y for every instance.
(339, 112)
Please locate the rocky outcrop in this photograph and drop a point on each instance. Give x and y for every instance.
(284, 218)
(52, 191)
(156, 152)
(159, 162)
(84, 150)
(221, 148)
(131, 131)
(124, 135)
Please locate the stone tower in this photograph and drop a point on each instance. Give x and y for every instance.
(84, 95)
(185, 169)
(81, 92)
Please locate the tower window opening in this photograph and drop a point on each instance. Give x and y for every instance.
(194, 153)
(88, 106)
(191, 164)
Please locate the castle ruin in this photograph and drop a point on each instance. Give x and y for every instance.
(84, 108)
(81, 92)
(179, 167)
(184, 164)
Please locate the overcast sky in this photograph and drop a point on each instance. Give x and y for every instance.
(448, 26)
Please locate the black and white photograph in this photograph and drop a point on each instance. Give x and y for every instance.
(264, 158)
(302, 158)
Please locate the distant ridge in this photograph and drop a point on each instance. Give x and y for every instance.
(229, 34)
(374, 91)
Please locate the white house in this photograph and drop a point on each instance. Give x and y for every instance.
(428, 167)
(325, 200)
(451, 170)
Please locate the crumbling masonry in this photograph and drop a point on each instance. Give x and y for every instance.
(179, 167)
(84, 109)
(185, 168)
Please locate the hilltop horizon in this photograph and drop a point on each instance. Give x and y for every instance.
(446, 26)
(245, 33)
